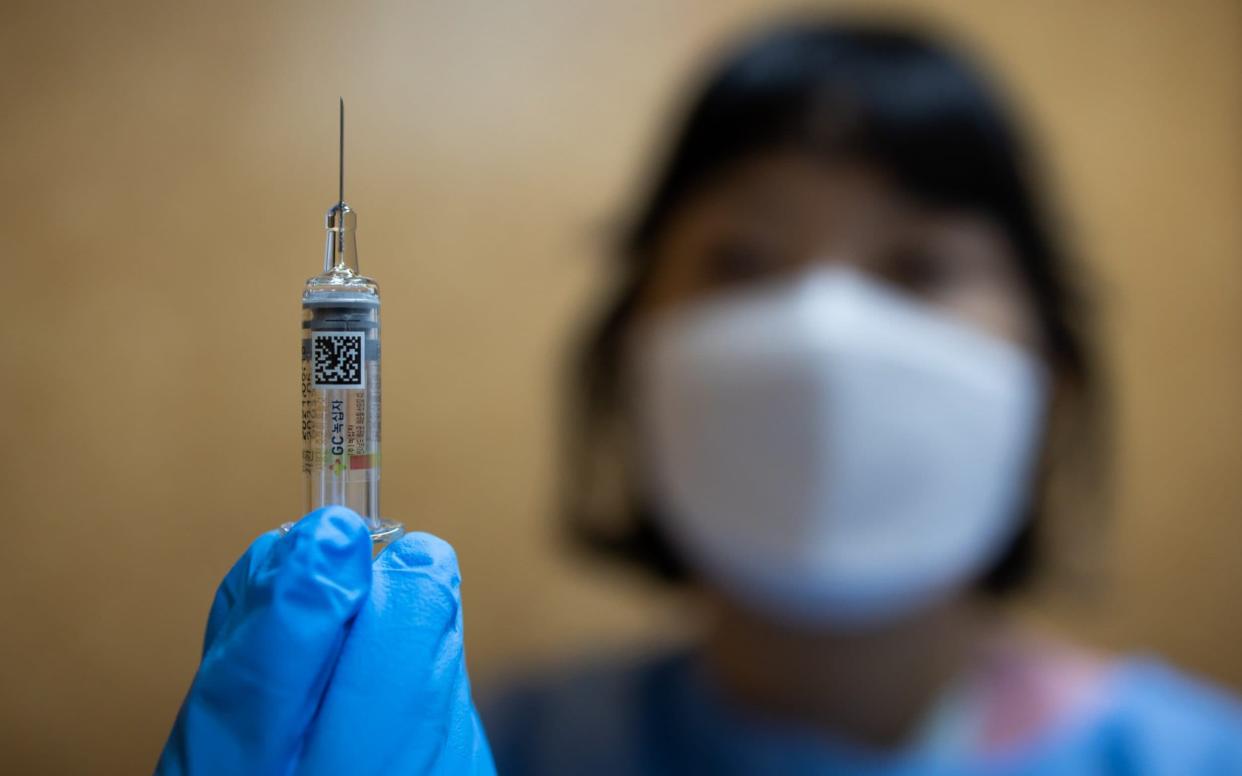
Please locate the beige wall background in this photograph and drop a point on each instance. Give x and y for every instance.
(165, 171)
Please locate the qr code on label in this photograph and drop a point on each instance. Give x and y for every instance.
(337, 359)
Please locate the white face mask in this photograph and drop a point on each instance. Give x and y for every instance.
(828, 450)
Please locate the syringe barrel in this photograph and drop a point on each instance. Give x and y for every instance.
(341, 398)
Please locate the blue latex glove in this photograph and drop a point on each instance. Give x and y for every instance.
(318, 661)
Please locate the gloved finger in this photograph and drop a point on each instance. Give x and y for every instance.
(263, 676)
(231, 586)
(399, 701)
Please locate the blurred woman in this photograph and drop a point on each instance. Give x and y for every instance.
(845, 356)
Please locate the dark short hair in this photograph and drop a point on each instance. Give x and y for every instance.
(893, 98)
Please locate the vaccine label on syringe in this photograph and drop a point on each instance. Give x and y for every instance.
(337, 359)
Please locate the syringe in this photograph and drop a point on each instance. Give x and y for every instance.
(341, 376)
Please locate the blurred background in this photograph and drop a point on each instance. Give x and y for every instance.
(167, 168)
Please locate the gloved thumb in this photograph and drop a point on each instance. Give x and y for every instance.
(265, 669)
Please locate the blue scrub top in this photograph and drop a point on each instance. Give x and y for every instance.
(659, 716)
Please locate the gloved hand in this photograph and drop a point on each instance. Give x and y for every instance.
(318, 661)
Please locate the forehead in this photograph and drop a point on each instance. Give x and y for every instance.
(792, 189)
(809, 203)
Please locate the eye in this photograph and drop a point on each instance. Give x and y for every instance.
(918, 271)
(738, 260)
